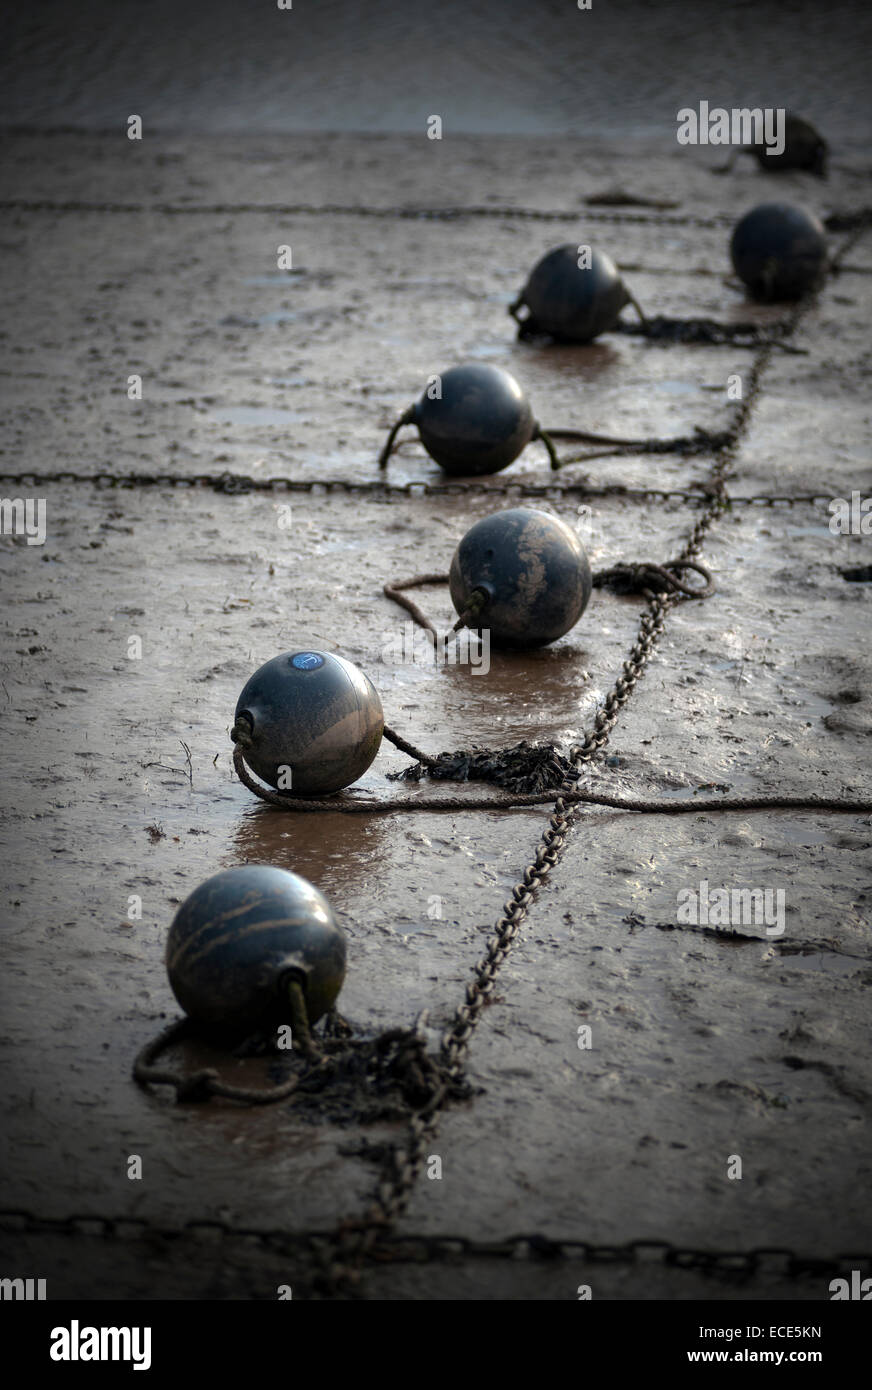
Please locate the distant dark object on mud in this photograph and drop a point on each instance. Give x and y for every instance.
(617, 198)
(779, 251)
(804, 148)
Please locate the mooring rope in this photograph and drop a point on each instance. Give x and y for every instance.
(286, 801)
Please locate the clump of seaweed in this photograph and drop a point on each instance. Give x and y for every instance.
(525, 767)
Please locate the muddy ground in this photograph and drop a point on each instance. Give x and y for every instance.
(159, 260)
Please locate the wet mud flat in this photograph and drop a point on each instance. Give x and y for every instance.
(119, 782)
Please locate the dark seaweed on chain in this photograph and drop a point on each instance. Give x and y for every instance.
(525, 767)
(848, 221)
(376, 1080)
(660, 329)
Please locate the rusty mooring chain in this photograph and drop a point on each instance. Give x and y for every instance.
(239, 484)
(414, 214)
(834, 222)
(416, 1248)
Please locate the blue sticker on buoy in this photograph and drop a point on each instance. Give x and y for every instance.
(307, 661)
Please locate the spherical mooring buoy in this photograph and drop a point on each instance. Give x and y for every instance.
(473, 419)
(779, 251)
(240, 940)
(525, 576)
(571, 297)
(309, 723)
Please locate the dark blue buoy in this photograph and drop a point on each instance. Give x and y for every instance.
(573, 298)
(472, 419)
(524, 574)
(309, 723)
(239, 941)
(779, 251)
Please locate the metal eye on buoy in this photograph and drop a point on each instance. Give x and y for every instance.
(522, 574)
(572, 297)
(779, 251)
(476, 419)
(247, 943)
(308, 723)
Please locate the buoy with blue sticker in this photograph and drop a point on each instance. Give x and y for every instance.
(308, 723)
